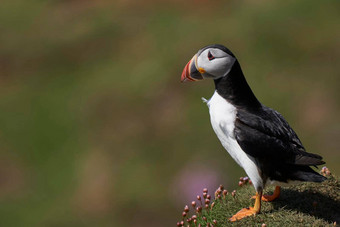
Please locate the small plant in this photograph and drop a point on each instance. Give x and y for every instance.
(205, 204)
(325, 171)
(244, 181)
(201, 210)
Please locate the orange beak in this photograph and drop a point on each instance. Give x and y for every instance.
(190, 72)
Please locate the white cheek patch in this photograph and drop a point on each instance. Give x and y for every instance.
(218, 67)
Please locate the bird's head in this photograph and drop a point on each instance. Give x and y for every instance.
(213, 61)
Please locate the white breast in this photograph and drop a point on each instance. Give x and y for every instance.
(222, 117)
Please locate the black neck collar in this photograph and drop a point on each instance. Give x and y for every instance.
(235, 89)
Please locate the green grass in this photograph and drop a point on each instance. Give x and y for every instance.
(307, 204)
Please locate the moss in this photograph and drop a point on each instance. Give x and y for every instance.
(305, 204)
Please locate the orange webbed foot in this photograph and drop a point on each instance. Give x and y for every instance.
(245, 212)
(269, 198)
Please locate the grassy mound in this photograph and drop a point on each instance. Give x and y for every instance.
(306, 204)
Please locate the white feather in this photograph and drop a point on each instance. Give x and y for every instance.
(204, 100)
(222, 117)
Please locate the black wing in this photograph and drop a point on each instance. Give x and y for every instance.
(267, 134)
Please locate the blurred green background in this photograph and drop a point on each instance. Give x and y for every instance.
(96, 128)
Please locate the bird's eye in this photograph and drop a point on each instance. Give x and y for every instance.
(210, 56)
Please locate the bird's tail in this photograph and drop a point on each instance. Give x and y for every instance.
(305, 173)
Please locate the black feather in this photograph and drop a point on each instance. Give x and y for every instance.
(265, 133)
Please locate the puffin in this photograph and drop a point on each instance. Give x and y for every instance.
(257, 137)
